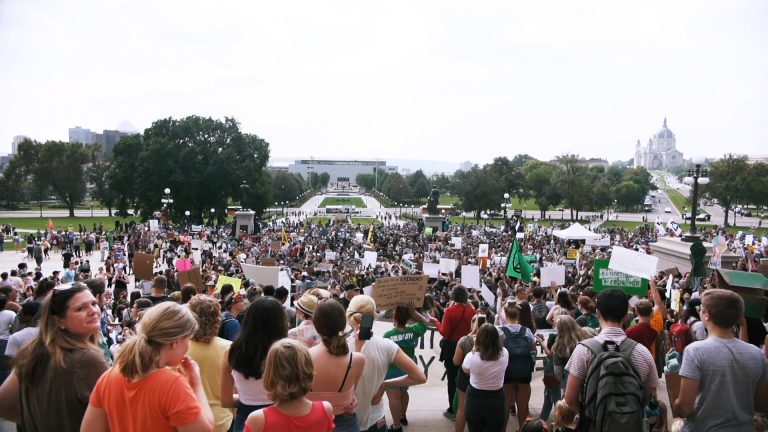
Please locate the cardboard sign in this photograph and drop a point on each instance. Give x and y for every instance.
(431, 269)
(554, 274)
(142, 265)
(269, 262)
(448, 265)
(170, 235)
(275, 245)
(193, 277)
(261, 274)
(634, 263)
(228, 280)
(470, 276)
(392, 291)
(605, 278)
(482, 251)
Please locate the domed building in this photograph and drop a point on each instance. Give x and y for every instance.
(660, 152)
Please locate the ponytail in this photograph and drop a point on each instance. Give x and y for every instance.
(137, 357)
(336, 344)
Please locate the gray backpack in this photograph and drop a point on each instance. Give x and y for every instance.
(612, 397)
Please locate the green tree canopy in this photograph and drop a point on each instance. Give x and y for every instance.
(728, 179)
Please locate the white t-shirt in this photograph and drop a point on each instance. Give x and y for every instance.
(379, 354)
(250, 391)
(19, 339)
(483, 374)
(6, 319)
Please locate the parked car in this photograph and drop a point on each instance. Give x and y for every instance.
(746, 213)
(667, 210)
(703, 217)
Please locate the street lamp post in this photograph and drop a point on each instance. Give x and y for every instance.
(167, 201)
(506, 204)
(211, 216)
(696, 176)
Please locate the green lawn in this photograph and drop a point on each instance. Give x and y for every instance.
(356, 201)
(361, 221)
(678, 200)
(34, 223)
(515, 203)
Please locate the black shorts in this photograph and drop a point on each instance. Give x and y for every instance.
(509, 380)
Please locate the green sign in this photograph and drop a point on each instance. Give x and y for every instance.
(604, 278)
(530, 258)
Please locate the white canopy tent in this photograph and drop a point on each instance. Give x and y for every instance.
(576, 232)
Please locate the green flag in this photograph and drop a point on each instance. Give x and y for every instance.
(517, 266)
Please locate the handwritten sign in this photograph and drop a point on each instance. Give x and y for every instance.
(228, 280)
(483, 250)
(154, 225)
(456, 242)
(330, 255)
(192, 277)
(142, 265)
(269, 262)
(326, 267)
(605, 278)
(183, 264)
(571, 253)
(389, 292)
(275, 245)
(370, 258)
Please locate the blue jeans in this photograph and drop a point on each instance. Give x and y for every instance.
(241, 414)
(551, 396)
(346, 423)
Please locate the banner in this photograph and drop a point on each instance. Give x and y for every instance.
(604, 278)
(142, 266)
(391, 291)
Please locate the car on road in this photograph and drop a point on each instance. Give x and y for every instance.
(699, 217)
(667, 210)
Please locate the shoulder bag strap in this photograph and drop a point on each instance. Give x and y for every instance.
(453, 330)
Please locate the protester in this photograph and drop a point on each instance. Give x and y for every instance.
(521, 346)
(485, 401)
(29, 316)
(288, 374)
(56, 372)
(305, 332)
(234, 305)
(464, 347)
(141, 379)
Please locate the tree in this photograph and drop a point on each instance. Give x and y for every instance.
(757, 185)
(56, 165)
(728, 178)
(396, 187)
(285, 187)
(538, 180)
(123, 167)
(98, 175)
(201, 160)
(366, 181)
(419, 184)
(479, 190)
(573, 181)
(442, 181)
(324, 179)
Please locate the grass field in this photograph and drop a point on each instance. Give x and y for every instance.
(361, 221)
(34, 223)
(678, 200)
(357, 202)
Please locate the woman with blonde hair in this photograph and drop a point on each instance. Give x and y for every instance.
(207, 349)
(379, 354)
(337, 369)
(142, 379)
(288, 374)
(56, 372)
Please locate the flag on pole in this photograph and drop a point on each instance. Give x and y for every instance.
(285, 237)
(370, 234)
(517, 266)
(50, 224)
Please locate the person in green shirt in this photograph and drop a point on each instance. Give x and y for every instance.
(406, 337)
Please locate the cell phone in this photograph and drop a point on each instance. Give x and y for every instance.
(481, 319)
(366, 327)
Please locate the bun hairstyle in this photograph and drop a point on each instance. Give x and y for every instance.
(360, 305)
(330, 325)
(512, 310)
(162, 324)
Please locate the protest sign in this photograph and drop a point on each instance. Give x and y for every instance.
(428, 231)
(170, 235)
(191, 276)
(482, 250)
(269, 262)
(634, 263)
(266, 275)
(284, 280)
(197, 228)
(488, 295)
(571, 253)
(551, 274)
(431, 269)
(154, 225)
(250, 260)
(228, 280)
(326, 267)
(370, 258)
(448, 265)
(520, 235)
(456, 242)
(183, 264)
(605, 278)
(605, 241)
(470, 276)
(330, 255)
(142, 265)
(391, 291)
(275, 245)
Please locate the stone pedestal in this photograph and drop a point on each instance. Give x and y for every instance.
(244, 222)
(673, 252)
(434, 221)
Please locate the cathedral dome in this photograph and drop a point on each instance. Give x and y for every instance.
(665, 132)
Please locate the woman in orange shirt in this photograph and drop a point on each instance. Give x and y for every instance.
(161, 399)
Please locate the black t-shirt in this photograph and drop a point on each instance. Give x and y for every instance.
(67, 258)
(158, 299)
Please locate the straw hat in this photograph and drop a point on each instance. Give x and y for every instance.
(307, 304)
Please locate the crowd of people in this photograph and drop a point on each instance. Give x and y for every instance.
(88, 347)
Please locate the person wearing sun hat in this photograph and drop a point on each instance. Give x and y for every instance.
(305, 332)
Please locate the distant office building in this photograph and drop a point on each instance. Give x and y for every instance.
(16, 141)
(757, 158)
(107, 139)
(660, 152)
(465, 166)
(341, 171)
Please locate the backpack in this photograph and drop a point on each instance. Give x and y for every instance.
(540, 312)
(520, 364)
(612, 396)
(224, 321)
(680, 333)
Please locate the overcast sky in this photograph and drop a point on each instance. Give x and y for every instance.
(443, 80)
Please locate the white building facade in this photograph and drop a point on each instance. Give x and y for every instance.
(660, 153)
(341, 171)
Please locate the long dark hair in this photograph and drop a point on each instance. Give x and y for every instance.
(264, 323)
(330, 322)
(487, 342)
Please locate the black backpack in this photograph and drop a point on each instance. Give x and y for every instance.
(520, 365)
(539, 310)
(612, 396)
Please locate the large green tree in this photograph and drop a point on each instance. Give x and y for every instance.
(728, 179)
(540, 182)
(479, 190)
(419, 184)
(57, 165)
(573, 181)
(201, 160)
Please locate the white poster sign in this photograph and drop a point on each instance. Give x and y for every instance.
(448, 265)
(431, 269)
(470, 276)
(284, 280)
(633, 263)
(456, 242)
(330, 255)
(482, 250)
(555, 273)
(370, 258)
(267, 275)
(605, 241)
(488, 295)
(154, 225)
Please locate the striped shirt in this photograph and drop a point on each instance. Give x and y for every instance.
(581, 359)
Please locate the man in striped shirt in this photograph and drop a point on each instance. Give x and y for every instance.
(612, 306)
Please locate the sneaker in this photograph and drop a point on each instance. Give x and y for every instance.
(449, 415)
(395, 429)
(404, 421)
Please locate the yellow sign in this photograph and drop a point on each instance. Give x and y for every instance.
(571, 254)
(228, 280)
